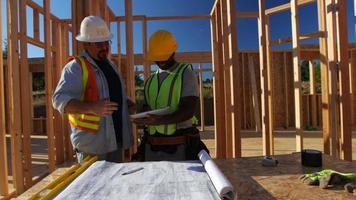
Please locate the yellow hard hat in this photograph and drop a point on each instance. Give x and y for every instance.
(161, 46)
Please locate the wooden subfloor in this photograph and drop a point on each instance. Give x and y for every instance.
(251, 147)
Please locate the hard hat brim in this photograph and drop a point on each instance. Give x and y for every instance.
(82, 38)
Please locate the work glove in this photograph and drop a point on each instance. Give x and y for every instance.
(351, 187)
(328, 178)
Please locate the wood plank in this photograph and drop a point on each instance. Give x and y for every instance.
(344, 84)
(227, 80)
(318, 34)
(263, 53)
(286, 89)
(146, 65)
(130, 64)
(324, 72)
(312, 86)
(163, 18)
(333, 73)
(14, 97)
(36, 25)
(40, 9)
(219, 117)
(256, 105)
(4, 186)
(247, 14)
(118, 46)
(244, 102)
(287, 6)
(201, 100)
(297, 77)
(26, 97)
(49, 88)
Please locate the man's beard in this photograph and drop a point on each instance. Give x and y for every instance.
(102, 55)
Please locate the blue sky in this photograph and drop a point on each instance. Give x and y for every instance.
(194, 35)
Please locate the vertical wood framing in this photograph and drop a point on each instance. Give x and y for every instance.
(332, 63)
(49, 88)
(312, 93)
(218, 80)
(256, 105)
(244, 102)
(345, 99)
(146, 65)
(14, 97)
(227, 85)
(267, 122)
(26, 96)
(235, 71)
(3, 153)
(118, 45)
(36, 25)
(201, 102)
(297, 76)
(130, 61)
(324, 72)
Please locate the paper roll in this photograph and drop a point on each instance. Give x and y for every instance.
(220, 182)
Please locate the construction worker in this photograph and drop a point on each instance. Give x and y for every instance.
(174, 85)
(91, 91)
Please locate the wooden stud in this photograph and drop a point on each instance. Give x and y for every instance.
(146, 65)
(312, 87)
(256, 105)
(201, 102)
(219, 117)
(244, 102)
(266, 109)
(49, 88)
(119, 46)
(286, 6)
(36, 25)
(333, 73)
(26, 97)
(345, 100)
(130, 61)
(14, 97)
(324, 77)
(297, 77)
(226, 73)
(286, 96)
(3, 152)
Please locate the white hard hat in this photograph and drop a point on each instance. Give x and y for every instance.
(94, 29)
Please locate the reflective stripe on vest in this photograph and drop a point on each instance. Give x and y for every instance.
(86, 122)
(167, 94)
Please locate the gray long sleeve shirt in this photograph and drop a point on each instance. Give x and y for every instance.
(70, 87)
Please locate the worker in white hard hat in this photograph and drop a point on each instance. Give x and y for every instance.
(92, 92)
(171, 136)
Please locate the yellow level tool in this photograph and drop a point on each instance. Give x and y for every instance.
(57, 185)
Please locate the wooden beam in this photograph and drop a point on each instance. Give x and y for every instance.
(40, 9)
(287, 6)
(247, 14)
(36, 25)
(26, 97)
(297, 77)
(286, 89)
(146, 64)
(218, 78)
(267, 122)
(344, 84)
(14, 97)
(324, 72)
(201, 95)
(4, 186)
(312, 86)
(333, 73)
(130, 63)
(318, 34)
(164, 18)
(49, 88)
(235, 72)
(119, 56)
(244, 102)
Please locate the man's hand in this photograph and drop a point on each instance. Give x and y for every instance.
(101, 108)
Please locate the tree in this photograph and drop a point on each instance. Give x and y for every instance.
(4, 51)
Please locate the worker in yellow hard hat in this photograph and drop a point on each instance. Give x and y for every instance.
(171, 135)
(98, 112)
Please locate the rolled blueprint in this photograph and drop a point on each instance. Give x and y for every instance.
(220, 182)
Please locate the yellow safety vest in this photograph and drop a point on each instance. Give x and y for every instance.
(86, 122)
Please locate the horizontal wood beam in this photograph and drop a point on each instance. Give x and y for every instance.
(40, 9)
(153, 18)
(286, 6)
(247, 14)
(318, 34)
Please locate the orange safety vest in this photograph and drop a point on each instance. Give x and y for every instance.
(86, 122)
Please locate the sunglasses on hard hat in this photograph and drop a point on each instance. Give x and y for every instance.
(100, 44)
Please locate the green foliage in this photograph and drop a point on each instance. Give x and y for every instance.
(38, 83)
